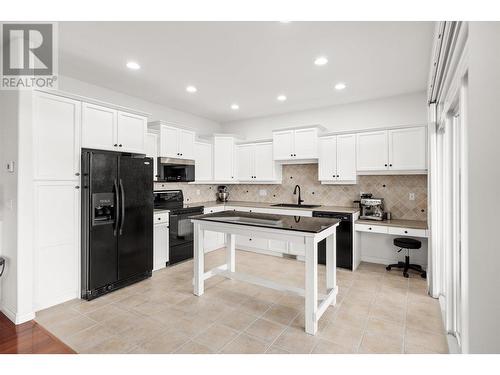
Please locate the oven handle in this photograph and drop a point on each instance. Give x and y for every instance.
(122, 191)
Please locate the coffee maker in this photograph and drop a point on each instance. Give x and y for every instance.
(371, 208)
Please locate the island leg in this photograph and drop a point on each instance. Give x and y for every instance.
(331, 265)
(199, 260)
(230, 252)
(311, 307)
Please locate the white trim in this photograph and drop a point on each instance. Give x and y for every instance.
(17, 318)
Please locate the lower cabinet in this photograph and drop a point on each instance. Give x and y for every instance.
(56, 242)
(213, 240)
(160, 241)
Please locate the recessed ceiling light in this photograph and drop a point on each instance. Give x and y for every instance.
(285, 21)
(322, 60)
(340, 86)
(235, 107)
(191, 89)
(133, 65)
(281, 98)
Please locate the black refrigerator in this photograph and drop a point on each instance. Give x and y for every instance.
(117, 221)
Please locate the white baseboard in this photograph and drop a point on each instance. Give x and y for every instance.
(17, 318)
(56, 300)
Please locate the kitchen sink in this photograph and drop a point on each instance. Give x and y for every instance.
(295, 205)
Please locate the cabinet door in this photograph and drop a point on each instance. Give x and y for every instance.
(263, 162)
(283, 145)
(99, 127)
(245, 162)
(306, 144)
(160, 246)
(372, 153)
(152, 151)
(169, 142)
(224, 159)
(327, 163)
(346, 157)
(56, 137)
(132, 131)
(408, 149)
(203, 161)
(56, 243)
(186, 144)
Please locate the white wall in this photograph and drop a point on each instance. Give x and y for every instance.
(9, 103)
(158, 112)
(410, 109)
(484, 181)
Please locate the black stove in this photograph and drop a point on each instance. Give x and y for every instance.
(180, 226)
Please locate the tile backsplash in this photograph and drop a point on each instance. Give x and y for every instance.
(395, 189)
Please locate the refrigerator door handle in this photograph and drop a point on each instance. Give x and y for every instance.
(122, 205)
(117, 208)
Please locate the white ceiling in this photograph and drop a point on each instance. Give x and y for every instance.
(248, 63)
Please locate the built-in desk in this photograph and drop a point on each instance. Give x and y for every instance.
(380, 249)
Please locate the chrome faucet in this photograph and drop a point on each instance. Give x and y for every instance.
(299, 200)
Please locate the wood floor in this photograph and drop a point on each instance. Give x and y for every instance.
(28, 338)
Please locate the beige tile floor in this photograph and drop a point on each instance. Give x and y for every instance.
(376, 312)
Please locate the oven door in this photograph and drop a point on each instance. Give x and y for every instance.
(181, 229)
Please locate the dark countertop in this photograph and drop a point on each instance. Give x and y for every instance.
(286, 222)
(340, 209)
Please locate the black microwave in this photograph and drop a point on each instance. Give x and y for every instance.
(175, 170)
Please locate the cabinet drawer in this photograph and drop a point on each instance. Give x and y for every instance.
(161, 218)
(407, 232)
(258, 243)
(371, 228)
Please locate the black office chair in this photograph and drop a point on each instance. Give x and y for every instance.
(407, 243)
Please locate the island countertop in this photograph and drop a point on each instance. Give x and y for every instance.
(285, 222)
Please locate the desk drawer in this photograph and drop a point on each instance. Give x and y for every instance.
(160, 218)
(407, 232)
(211, 210)
(371, 228)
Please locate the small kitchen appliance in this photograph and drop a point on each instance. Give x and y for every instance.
(371, 208)
(222, 193)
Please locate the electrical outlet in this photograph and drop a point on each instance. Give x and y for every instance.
(262, 192)
(411, 196)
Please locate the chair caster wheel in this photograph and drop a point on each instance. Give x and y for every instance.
(424, 275)
(388, 268)
(405, 274)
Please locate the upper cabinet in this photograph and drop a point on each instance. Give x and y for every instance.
(203, 161)
(174, 142)
(394, 150)
(255, 162)
(337, 159)
(56, 137)
(108, 129)
(295, 144)
(224, 158)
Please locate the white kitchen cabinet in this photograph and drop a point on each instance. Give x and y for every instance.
(255, 162)
(131, 132)
(224, 158)
(337, 159)
(408, 149)
(56, 137)
(56, 242)
(160, 240)
(99, 127)
(203, 161)
(372, 151)
(295, 144)
(213, 240)
(151, 146)
(174, 142)
(108, 129)
(393, 150)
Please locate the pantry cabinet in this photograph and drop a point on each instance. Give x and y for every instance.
(152, 152)
(105, 128)
(337, 159)
(295, 144)
(255, 162)
(174, 142)
(393, 150)
(203, 161)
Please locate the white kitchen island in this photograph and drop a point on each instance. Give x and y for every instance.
(301, 230)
